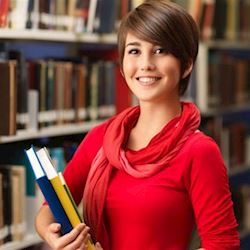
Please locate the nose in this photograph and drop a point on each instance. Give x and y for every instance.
(147, 62)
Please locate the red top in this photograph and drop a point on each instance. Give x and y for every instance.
(160, 212)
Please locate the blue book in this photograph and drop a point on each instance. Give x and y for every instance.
(48, 192)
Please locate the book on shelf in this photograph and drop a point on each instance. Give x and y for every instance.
(106, 23)
(58, 91)
(76, 16)
(194, 8)
(81, 13)
(245, 189)
(33, 107)
(8, 100)
(22, 87)
(80, 82)
(7, 190)
(91, 16)
(241, 201)
(2, 235)
(17, 16)
(4, 11)
(206, 21)
(55, 190)
(223, 78)
(220, 19)
(57, 157)
(62, 87)
(116, 85)
(232, 20)
(18, 179)
(12, 208)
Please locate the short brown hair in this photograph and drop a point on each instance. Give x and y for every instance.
(166, 24)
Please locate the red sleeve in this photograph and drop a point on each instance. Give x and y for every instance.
(211, 198)
(77, 169)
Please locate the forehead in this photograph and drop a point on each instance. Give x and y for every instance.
(132, 39)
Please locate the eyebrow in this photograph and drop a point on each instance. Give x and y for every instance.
(133, 44)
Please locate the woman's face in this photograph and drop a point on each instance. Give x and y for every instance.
(151, 72)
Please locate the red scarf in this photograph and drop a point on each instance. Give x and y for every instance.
(159, 152)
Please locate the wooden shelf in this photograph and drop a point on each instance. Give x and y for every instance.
(50, 131)
(29, 240)
(56, 36)
(227, 44)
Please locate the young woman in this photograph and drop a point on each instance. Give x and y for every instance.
(148, 175)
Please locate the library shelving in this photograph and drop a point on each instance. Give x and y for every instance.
(44, 127)
(51, 131)
(29, 240)
(220, 88)
(53, 92)
(56, 36)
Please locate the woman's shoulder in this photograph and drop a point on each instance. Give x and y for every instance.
(98, 130)
(201, 144)
(95, 135)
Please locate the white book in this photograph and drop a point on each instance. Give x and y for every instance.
(46, 163)
(91, 16)
(18, 14)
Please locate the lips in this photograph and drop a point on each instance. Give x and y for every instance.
(147, 80)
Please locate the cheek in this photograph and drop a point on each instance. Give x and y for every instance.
(128, 68)
(172, 70)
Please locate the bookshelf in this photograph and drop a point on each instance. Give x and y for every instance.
(51, 131)
(59, 39)
(29, 240)
(220, 88)
(57, 36)
(221, 81)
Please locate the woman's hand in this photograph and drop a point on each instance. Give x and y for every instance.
(76, 239)
(98, 246)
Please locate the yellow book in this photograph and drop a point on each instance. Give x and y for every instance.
(61, 190)
(65, 186)
(65, 201)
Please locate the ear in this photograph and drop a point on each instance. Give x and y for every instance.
(188, 70)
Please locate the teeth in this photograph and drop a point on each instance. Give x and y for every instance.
(147, 79)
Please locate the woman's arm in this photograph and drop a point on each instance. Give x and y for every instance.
(211, 198)
(49, 231)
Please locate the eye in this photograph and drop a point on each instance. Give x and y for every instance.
(160, 51)
(133, 51)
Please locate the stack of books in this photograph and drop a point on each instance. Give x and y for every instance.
(55, 191)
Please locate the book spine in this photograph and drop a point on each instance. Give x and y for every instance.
(54, 204)
(68, 204)
(71, 198)
(65, 201)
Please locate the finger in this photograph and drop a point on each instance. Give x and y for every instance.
(81, 241)
(54, 227)
(85, 243)
(52, 234)
(70, 237)
(98, 246)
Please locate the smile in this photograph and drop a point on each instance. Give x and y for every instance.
(147, 80)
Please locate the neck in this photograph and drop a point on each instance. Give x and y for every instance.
(151, 121)
(157, 116)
